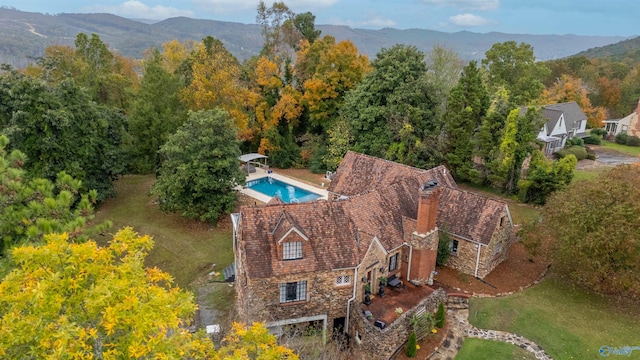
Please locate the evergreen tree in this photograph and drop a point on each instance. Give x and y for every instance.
(200, 168)
(412, 345)
(467, 106)
(440, 316)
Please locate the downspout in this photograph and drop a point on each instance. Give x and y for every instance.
(355, 282)
(409, 265)
(477, 261)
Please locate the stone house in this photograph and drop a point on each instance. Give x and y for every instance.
(312, 262)
(629, 124)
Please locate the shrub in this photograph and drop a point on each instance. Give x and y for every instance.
(621, 138)
(575, 142)
(632, 141)
(440, 316)
(593, 139)
(412, 345)
(599, 132)
(578, 151)
(443, 248)
(561, 153)
(591, 156)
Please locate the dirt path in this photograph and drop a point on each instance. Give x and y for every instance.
(606, 157)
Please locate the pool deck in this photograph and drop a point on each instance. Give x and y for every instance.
(261, 173)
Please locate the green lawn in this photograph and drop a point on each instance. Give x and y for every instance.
(568, 323)
(478, 349)
(589, 174)
(629, 150)
(183, 248)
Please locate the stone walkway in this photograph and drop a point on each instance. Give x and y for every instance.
(459, 328)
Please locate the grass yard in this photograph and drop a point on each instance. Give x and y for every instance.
(183, 248)
(589, 174)
(479, 349)
(629, 150)
(568, 323)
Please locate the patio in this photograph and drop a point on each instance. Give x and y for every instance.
(406, 297)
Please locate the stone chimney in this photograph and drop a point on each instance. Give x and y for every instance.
(425, 239)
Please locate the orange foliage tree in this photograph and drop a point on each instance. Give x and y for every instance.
(569, 88)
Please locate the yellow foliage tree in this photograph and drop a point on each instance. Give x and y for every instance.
(569, 88)
(254, 342)
(82, 301)
(337, 68)
(79, 300)
(215, 82)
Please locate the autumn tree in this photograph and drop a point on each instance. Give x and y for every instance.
(200, 167)
(253, 342)
(155, 114)
(215, 81)
(568, 89)
(513, 66)
(79, 300)
(595, 225)
(391, 112)
(466, 109)
(337, 68)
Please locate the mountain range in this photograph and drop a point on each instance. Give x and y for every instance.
(25, 35)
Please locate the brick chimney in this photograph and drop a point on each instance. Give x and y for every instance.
(427, 207)
(425, 239)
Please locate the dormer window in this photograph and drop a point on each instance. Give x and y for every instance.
(292, 250)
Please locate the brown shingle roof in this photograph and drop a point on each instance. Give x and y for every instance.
(340, 232)
(359, 173)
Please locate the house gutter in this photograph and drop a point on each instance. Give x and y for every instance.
(355, 282)
(477, 262)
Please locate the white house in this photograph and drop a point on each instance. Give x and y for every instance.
(564, 121)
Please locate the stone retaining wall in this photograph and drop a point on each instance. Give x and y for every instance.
(382, 343)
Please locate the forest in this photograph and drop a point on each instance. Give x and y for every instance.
(82, 116)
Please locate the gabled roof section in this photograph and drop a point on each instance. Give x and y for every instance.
(552, 116)
(572, 113)
(468, 215)
(285, 225)
(327, 225)
(359, 173)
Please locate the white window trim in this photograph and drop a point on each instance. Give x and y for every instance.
(454, 250)
(343, 280)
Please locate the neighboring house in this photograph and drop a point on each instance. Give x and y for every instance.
(629, 124)
(564, 121)
(309, 262)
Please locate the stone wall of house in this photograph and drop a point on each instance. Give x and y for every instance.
(261, 298)
(374, 260)
(465, 260)
(379, 343)
(502, 239)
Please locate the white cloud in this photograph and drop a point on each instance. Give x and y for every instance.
(137, 9)
(468, 20)
(229, 6)
(377, 21)
(369, 21)
(467, 4)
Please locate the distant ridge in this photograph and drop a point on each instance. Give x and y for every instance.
(629, 48)
(25, 35)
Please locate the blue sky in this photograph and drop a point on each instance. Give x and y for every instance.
(581, 17)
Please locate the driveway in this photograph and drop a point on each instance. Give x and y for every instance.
(607, 157)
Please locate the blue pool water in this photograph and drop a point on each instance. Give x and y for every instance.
(286, 192)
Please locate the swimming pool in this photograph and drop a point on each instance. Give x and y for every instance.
(286, 192)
